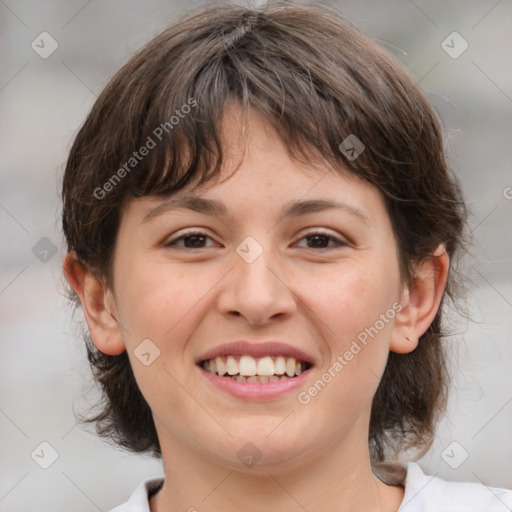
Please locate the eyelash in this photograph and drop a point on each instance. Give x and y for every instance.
(321, 232)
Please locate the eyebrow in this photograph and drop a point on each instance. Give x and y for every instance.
(219, 209)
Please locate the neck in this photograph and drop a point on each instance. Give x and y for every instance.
(338, 479)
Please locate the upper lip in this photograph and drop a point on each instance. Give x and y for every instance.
(256, 350)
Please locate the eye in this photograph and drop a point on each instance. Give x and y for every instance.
(191, 240)
(319, 238)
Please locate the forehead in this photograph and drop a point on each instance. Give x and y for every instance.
(259, 172)
(255, 154)
(271, 200)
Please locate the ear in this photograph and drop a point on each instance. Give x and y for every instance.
(420, 302)
(98, 306)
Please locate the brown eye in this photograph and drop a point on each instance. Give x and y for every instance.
(321, 240)
(191, 240)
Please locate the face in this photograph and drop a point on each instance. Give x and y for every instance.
(318, 285)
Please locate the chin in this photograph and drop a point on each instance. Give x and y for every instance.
(259, 450)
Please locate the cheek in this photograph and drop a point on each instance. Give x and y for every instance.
(161, 301)
(351, 300)
(350, 304)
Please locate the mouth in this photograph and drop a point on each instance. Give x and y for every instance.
(256, 371)
(248, 369)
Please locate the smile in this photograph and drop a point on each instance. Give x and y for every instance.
(245, 368)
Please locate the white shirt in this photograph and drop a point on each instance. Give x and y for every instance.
(423, 493)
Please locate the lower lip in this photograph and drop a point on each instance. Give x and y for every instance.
(255, 390)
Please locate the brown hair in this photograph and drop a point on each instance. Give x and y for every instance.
(317, 80)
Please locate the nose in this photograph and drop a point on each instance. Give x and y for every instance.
(258, 291)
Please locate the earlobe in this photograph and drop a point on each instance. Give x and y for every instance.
(97, 304)
(420, 302)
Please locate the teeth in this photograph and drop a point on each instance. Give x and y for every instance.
(231, 365)
(247, 369)
(247, 366)
(265, 366)
(290, 367)
(280, 365)
(221, 366)
(257, 378)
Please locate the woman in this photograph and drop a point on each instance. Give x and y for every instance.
(261, 230)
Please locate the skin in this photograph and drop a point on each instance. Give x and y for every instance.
(314, 456)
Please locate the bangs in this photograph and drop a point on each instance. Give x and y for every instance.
(174, 98)
(183, 129)
(193, 150)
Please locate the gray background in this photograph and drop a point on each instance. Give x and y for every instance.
(43, 371)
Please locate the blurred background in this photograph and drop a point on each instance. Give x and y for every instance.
(57, 57)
